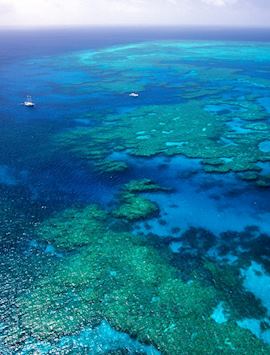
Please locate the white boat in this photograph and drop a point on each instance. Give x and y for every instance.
(29, 102)
(134, 94)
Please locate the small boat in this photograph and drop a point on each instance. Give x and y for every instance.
(134, 94)
(29, 102)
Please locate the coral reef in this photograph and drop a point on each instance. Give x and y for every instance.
(120, 278)
(133, 207)
(85, 267)
(192, 132)
(217, 119)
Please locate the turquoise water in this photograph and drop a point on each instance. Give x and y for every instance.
(137, 225)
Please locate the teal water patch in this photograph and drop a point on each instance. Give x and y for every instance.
(236, 125)
(222, 108)
(174, 144)
(219, 314)
(265, 146)
(100, 340)
(265, 102)
(256, 327)
(257, 281)
(37, 246)
(175, 247)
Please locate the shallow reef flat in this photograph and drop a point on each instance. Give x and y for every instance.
(102, 280)
(123, 279)
(184, 129)
(213, 109)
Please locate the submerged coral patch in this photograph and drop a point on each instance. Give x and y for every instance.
(133, 207)
(118, 277)
(265, 146)
(202, 111)
(102, 339)
(195, 134)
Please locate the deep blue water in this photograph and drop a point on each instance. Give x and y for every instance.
(15, 44)
(59, 108)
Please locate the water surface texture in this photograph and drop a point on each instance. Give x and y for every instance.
(136, 224)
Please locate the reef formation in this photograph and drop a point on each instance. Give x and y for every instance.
(214, 114)
(86, 269)
(107, 273)
(115, 276)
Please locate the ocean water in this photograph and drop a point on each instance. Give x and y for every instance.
(135, 225)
